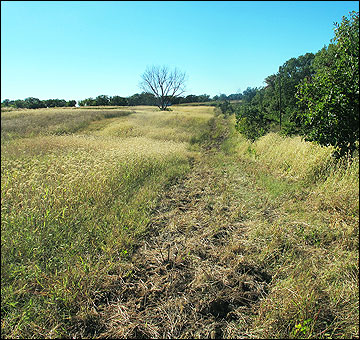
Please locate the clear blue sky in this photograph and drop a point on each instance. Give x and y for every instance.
(80, 49)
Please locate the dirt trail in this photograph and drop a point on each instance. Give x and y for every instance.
(189, 278)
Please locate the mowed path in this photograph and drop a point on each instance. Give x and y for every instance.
(190, 277)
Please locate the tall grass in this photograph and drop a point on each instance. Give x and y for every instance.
(178, 125)
(308, 241)
(334, 183)
(74, 207)
(27, 123)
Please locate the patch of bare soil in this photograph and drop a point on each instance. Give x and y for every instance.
(189, 278)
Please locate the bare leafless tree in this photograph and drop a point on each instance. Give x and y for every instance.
(163, 83)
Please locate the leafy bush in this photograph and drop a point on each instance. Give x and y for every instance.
(226, 107)
(251, 122)
(331, 98)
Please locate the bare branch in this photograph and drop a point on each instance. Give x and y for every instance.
(163, 83)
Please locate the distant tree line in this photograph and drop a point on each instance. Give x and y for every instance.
(313, 95)
(35, 103)
(143, 98)
(146, 98)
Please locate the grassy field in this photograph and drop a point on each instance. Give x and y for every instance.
(73, 205)
(134, 223)
(307, 238)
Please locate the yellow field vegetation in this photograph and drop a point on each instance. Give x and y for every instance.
(81, 187)
(334, 184)
(73, 204)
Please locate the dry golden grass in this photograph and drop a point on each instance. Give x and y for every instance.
(308, 240)
(58, 121)
(177, 125)
(171, 225)
(293, 157)
(74, 205)
(334, 184)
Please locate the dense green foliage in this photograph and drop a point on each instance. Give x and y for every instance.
(251, 122)
(276, 102)
(313, 95)
(331, 98)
